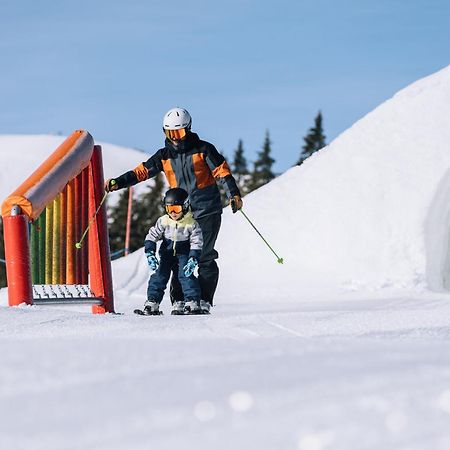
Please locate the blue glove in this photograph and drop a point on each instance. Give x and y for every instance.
(152, 260)
(189, 268)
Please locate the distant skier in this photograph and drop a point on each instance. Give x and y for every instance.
(180, 248)
(193, 165)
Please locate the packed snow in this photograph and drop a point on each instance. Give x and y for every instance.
(341, 347)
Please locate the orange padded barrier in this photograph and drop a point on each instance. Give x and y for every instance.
(49, 179)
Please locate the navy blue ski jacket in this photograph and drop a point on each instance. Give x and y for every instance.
(194, 165)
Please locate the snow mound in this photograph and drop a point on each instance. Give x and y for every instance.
(371, 210)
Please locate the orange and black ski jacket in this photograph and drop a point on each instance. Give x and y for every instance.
(194, 165)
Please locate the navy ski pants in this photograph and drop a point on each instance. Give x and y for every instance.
(158, 281)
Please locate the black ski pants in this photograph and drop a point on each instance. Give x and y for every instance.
(208, 270)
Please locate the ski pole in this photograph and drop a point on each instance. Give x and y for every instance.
(279, 260)
(78, 244)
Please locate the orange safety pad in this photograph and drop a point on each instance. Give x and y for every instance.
(49, 179)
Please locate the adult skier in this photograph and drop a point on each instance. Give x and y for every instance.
(193, 165)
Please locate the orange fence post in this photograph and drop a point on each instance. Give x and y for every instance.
(84, 223)
(99, 257)
(17, 256)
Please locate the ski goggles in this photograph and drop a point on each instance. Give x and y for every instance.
(176, 134)
(174, 208)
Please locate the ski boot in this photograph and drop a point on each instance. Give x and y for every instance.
(196, 307)
(178, 308)
(205, 306)
(151, 308)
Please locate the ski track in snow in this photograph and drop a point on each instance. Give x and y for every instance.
(293, 375)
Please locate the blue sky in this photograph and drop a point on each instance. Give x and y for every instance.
(241, 67)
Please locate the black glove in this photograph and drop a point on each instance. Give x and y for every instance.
(111, 185)
(236, 203)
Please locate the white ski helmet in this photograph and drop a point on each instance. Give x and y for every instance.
(176, 119)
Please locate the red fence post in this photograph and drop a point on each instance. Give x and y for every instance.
(99, 257)
(17, 256)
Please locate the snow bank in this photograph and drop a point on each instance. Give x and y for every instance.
(371, 209)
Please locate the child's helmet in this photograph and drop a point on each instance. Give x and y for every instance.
(176, 197)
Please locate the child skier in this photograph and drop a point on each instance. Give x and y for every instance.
(181, 246)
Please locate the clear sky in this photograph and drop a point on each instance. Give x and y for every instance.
(241, 67)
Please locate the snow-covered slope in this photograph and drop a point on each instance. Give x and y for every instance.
(289, 358)
(370, 211)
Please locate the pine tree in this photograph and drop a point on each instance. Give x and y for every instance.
(146, 208)
(240, 171)
(262, 170)
(117, 224)
(149, 207)
(314, 140)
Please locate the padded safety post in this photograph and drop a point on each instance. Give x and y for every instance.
(17, 255)
(99, 257)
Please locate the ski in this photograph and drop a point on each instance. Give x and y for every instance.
(140, 312)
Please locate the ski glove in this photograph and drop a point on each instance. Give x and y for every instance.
(152, 260)
(111, 185)
(189, 268)
(236, 203)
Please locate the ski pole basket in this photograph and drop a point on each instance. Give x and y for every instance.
(43, 220)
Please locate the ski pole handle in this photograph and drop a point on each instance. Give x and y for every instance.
(279, 260)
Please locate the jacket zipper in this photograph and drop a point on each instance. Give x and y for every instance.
(175, 240)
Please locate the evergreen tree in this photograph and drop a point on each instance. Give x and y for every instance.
(240, 171)
(148, 208)
(314, 140)
(262, 170)
(2, 256)
(223, 196)
(117, 224)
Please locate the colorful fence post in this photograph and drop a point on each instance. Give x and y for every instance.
(17, 256)
(99, 257)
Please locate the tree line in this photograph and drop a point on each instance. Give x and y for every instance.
(147, 207)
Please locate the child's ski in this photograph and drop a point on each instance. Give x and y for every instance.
(140, 312)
